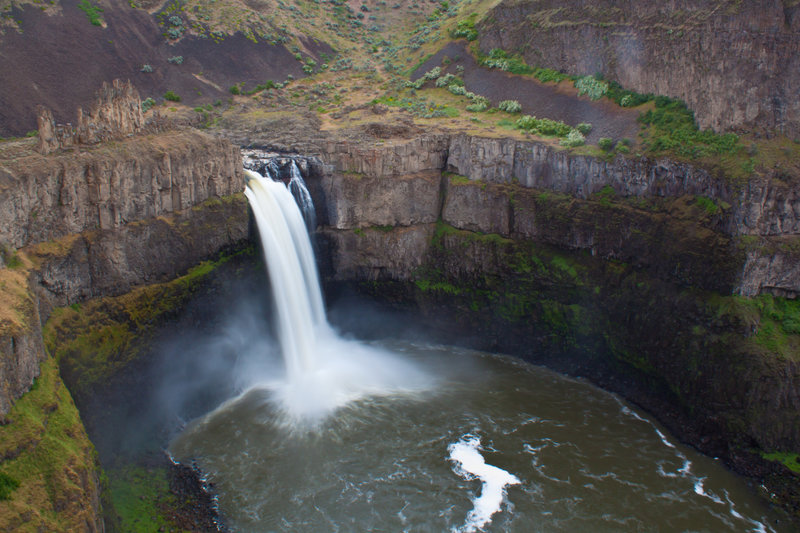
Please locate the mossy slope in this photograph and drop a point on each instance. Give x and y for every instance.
(45, 451)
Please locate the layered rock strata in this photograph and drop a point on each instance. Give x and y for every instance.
(734, 63)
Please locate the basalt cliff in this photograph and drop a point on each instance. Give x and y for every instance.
(734, 63)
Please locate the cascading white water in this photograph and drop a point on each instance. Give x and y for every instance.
(300, 192)
(292, 271)
(324, 372)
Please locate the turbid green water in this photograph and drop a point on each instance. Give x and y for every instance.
(584, 460)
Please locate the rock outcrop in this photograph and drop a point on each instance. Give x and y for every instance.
(93, 220)
(46, 197)
(734, 63)
(115, 114)
(398, 183)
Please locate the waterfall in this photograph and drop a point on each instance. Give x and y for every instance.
(292, 270)
(323, 371)
(303, 198)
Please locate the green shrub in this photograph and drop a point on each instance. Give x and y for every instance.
(591, 86)
(477, 108)
(675, 130)
(465, 30)
(543, 126)
(433, 73)
(547, 74)
(605, 143)
(500, 59)
(234, 89)
(147, 69)
(574, 138)
(260, 87)
(448, 79)
(92, 12)
(478, 99)
(147, 103)
(171, 96)
(177, 60)
(457, 89)
(584, 128)
(7, 485)
(510, 106)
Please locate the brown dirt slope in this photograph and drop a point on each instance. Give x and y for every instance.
(543, 100)
(60, 61)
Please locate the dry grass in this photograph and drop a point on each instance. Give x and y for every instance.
(16, 305)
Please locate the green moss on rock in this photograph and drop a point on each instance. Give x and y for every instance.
(48, 463)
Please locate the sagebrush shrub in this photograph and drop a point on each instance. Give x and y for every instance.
(510, 106)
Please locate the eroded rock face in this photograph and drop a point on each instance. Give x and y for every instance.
(734, 63)
(49, 197)
(355, 200)
(112, 262)
(386, 158)
(21, 352)
(373, 254)
(120, 215)
(115, 114)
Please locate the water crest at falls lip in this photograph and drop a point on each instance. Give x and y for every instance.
(323, 371)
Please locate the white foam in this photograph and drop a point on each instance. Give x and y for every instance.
(664, 439)
(347, 371)
(323, 371)
(470, 463)
(699, 489)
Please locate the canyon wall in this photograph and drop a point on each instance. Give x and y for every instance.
(760, 219)
(734, 63)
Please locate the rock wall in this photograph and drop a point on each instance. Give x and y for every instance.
(399, 183)
(46, 197)
(115, 114)
(734, 63)
(112, 262)
(760, 207)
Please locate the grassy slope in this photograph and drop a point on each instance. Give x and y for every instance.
(45, 449)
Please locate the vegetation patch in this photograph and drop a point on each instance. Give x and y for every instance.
(789, 460)
(48, 463)
(140, 495)
(465, 29)
(93, 12)
(773, 320)
(673, 129)
(8, 485)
